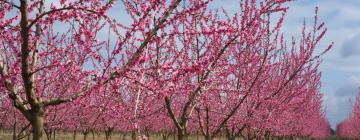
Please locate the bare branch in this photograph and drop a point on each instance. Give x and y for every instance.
(60, 100)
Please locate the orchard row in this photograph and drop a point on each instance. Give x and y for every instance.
(163, 66)
(349, 128)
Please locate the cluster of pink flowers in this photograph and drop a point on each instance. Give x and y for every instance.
(173, 67)
(350, 127)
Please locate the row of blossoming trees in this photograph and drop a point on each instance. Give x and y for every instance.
(349, 128)
(169, 67)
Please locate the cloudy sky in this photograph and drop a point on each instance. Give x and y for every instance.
(341, 66)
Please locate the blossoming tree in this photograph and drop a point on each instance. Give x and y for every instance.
(349, 128)
(71, 65)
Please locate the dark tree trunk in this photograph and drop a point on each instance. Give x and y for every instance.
(14, 129)
(74, 135)
(37, 123)
(133, 135)
(54, 135)
(85, 135)
(181, 134)
(107, 135)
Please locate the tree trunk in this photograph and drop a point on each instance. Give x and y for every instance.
(133, 135)
(107, 135)
(165, 135)
(181, 135)
(124, 135)
(37, 123)
(208, 137)
(74, 135)
(85, 135)
(54, 135)
(14, 130)
(147, 133)
(48, 134)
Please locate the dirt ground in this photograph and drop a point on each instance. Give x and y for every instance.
(7, 135)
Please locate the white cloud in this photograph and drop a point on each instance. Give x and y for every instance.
(351, 47)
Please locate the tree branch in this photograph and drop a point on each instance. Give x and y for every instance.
(37, 41)
(25, 52)
(60, 100)
(18, 101)
(10, 3)
(171, 113)
(233, 111)
(137, 54)
(200, 121)
(57, 10)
